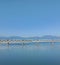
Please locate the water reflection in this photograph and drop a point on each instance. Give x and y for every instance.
(29, 45)
(30, 54)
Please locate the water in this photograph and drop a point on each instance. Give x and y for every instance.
(30, 54)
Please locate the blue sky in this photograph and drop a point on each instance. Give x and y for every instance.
(29, 17)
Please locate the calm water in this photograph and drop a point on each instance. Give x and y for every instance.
(30, 54)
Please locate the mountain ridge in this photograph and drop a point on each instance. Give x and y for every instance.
(34, 37)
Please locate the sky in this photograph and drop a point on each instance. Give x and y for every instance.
(29, 17)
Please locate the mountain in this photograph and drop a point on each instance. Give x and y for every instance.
(50, 37)
(29, 38)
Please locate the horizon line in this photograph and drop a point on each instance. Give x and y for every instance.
(27, 36)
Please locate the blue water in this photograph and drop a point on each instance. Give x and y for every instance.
(30, 54)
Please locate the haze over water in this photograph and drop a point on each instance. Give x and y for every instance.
(30, 54)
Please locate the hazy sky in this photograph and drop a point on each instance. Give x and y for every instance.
(30, 17)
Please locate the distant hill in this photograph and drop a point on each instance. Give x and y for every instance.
(29, 38)
(50, 37)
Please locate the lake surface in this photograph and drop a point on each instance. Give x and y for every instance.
(30, 54)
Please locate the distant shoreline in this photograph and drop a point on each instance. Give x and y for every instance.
(28, 41)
